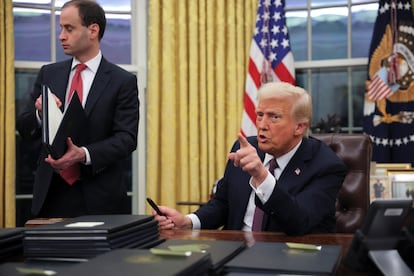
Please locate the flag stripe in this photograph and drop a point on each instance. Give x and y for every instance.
(254, 73)
(249, 108)
(270, 59)
(378, 89)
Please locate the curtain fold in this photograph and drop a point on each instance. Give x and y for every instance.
(197, 63)
(7, 117)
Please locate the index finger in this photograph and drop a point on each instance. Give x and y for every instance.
(243, 141)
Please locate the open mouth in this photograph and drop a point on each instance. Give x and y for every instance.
(261, 138)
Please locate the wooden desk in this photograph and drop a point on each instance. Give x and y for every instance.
(251, 237)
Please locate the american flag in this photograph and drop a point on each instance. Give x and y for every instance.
(379, 88)
(271, 58)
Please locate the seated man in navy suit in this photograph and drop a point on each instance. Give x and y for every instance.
(297, 197)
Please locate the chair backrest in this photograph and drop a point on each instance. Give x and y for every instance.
(353, 199)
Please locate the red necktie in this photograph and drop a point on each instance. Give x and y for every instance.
(258, 213)
(72, 173)
(76, 84)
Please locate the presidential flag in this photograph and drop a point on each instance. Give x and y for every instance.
(271, 58)
(389, 97)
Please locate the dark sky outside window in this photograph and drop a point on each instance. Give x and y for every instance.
(32, 29)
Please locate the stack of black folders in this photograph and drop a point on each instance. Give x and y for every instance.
(11, 244)
(271, 258)
(84, 237)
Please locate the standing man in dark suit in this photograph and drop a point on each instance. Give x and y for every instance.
(297, 197)
(110, 101)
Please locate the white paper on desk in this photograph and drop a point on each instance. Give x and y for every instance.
(55, 116)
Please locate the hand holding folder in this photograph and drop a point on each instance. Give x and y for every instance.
(57, 126)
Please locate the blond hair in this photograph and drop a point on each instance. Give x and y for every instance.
(301, 101)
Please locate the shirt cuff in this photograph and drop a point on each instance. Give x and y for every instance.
(265, 189)
(87, 156)
(195, 220)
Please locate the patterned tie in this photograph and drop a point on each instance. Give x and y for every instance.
(72, 173)
(258, 213)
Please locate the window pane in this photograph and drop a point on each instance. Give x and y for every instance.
(329, 33)
(302, 79)
(107, 5)
(359, 76)
(33, 3)
(24, 82)
(296, 23)
(330, 95)
(27, 152)
(361, 1)
(32, 33)
(116, 43)
(316, 3)
(295, 4)
(118, 5)
(363, 20)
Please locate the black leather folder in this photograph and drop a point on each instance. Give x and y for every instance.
(73, 124)
(277, 258)
(221, 251)
(108, 225)
(134, 262)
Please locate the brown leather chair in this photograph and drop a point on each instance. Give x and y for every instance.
(353, 200)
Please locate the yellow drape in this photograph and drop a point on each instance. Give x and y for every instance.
(7, 120)
(197, 64)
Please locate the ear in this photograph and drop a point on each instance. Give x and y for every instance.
(301, 128)
(94, 31)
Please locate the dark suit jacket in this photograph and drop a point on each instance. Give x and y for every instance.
(303, 200)
(112, 109)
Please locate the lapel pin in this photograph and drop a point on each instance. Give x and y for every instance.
(297, 171)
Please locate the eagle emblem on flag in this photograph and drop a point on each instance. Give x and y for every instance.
(389, 95)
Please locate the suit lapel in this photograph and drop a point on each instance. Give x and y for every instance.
(293, 169)
(101, 80)
(60, 81)
(296, 165)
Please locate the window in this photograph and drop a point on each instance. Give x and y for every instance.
(330, 42)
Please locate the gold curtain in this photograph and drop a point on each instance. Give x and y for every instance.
(7, 120)
(197, 64)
